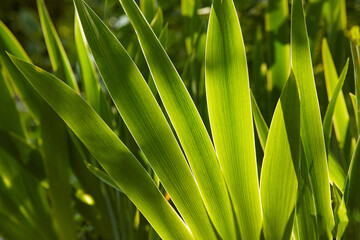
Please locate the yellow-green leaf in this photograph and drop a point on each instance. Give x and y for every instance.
(311, 125)
(278, 184)
(228, 98)
(108, 149)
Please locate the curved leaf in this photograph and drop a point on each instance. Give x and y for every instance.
(145, 120)
(109, 151)
(190, 130)
(27, 94)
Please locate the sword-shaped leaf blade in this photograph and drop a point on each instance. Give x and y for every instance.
(278, 184)
(187, 124)
(228, 98)
(59, 60)
(108, 149)
(145, 120)
(311, 125)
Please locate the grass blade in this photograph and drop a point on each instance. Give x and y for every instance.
(23, 89)
(355, 53)
(341, 115)
(336, 172)
(109, 151)
(353, 103)
(261, 128)
(311, 126)
(144, 118)
(188, 125)
(278, 184)
(305, 221)
(332, 111)
(58, 57)
(228, 98)
(104, 177)
(88, 73)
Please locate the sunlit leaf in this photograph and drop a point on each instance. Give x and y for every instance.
(109, 151)
(278, 184)
(311, 125)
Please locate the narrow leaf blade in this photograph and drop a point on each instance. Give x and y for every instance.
(341, 115)
(109, 151)
(228, 98)
(58, 57)
(145, 120)
(311, 126)
(278, 184)
(188, 125)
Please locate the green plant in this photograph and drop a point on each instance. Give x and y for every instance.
(212, 178)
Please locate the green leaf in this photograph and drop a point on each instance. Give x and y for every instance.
(353, 103)
(336, 172)
(261, 128)
(188, 126)
(147, 124)
(157, 22)
(352, 196)
(228, 98)
(59, 60)
(109, 151)
(104, 177)
(311, 126)
(88, 72)
(331, 110)
(305, 226)
(23, 89)
(148, 8)
(355, 53)
(277, 25)
(341, 115)
(278, 183)
(343, 220)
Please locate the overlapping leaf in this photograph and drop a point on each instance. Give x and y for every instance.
(109, 151)
(188, 126)
(311, 126)
(146, 122)
(278, 184)
(58, 57)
